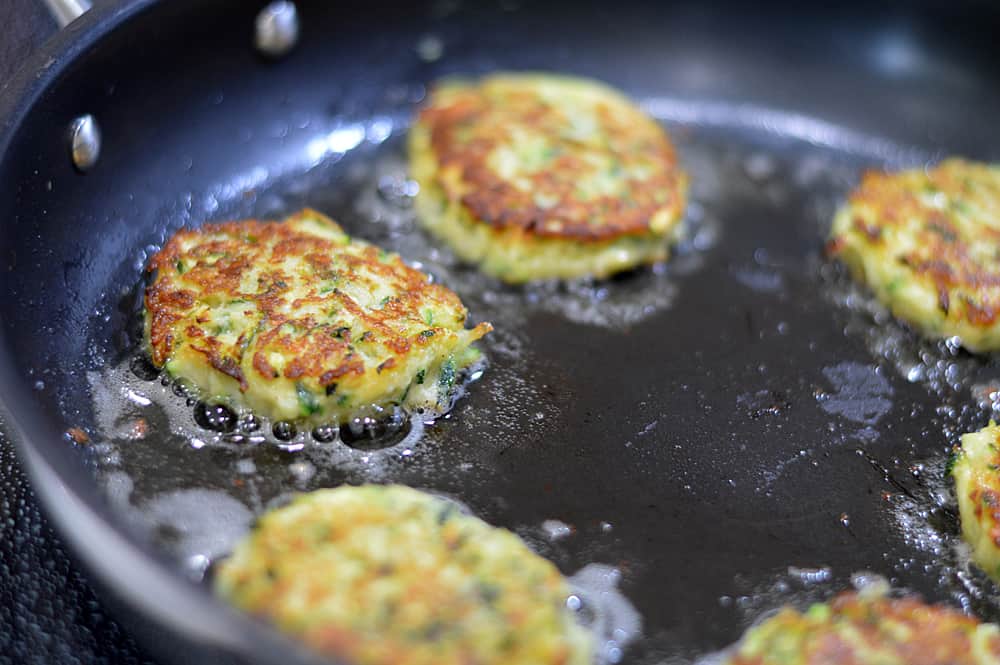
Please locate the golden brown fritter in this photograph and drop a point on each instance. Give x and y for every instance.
(869, 629)
(555, 176)
(976, 469)
(386, 574)
(297, 320)
(927, 242)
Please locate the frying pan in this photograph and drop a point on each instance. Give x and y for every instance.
(736, 429)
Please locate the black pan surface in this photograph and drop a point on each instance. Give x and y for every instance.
(736, 429)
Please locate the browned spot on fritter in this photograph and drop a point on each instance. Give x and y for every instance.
(986, 503)
(874, 233)
(229, 367)
(980, 315)
(263, 367)
(349, 365)
(466, 128)
(834, 246)
(200, 270)
(224, 275)
(166, 305)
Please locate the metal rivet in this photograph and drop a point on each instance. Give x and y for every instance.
(85, 142)
(277, 28)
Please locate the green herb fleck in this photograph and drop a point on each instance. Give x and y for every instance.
(308, 404)
(387, 611)
(446, 513)
(961, 207)
(429, 316)
(489, 593)
(427, 333)
(434, 630)
(508, 642)
(342, 400)
(181, 268)
(947, 234)
(446, 379)
(420, 377)
(953, 458)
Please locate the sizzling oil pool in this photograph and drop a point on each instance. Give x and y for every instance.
(692, 444)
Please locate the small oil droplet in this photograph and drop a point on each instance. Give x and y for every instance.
(143, 368)
(325, 433)
(371, 434)
(249, 423)
(283, 430)
(214, 417)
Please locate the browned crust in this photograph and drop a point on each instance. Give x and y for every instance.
(933, 634)
(469, 126)
(317, 349)
(968, 286)
(987, 501)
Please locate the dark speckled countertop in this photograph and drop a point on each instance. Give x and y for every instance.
(48, 611)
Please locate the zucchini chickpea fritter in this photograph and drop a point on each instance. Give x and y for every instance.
(387, 574)
(869, 629)
(536, 176)
(927, 243)
(976, 470)
(298, 321)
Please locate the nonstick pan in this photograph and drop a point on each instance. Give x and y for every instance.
(702, 441)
